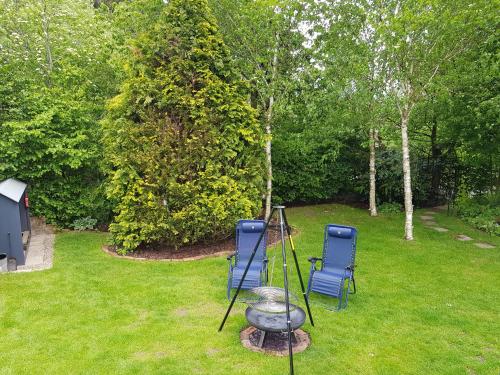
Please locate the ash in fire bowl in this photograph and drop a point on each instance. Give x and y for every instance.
(275, 343)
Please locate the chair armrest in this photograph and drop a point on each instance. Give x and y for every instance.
(349, 268)
(314, 259)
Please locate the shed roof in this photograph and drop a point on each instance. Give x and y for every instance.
(12, 189)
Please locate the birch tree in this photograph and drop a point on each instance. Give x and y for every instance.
(348, 50)
(419, 39)
(266, 43)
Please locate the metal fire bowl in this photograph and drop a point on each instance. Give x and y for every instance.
(275, 322)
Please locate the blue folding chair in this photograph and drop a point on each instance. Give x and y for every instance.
(247, 235)
(337, 264)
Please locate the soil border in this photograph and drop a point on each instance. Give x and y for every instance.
(111, 250)
(107, 250)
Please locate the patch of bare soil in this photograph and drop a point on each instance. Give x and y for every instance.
(275, 343)
(192, 252)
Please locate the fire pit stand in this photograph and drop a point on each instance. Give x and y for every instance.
(266, 321)
(271, 304)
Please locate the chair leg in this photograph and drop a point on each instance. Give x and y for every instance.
(309, 282)
(229, 282)
(339, 307)
(347, 292)
(354, 285)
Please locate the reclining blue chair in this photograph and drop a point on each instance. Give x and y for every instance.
(247, 235)
(337, 264)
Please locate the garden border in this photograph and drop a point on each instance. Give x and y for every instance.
(106, 249)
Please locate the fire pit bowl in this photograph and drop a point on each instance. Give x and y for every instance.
(266, 313)
(275, 322)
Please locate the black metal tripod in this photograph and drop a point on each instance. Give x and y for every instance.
(283, 224)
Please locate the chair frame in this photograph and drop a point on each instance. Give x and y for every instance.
(264, 274)
(348, 271)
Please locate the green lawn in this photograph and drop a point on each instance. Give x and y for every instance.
(431, 306)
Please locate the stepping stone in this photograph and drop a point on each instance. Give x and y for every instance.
(425, 217)
(484, 245)
(429, 223)
(429, 213)
(439, 229)
(463, 237)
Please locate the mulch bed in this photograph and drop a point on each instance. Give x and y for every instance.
(191, 252)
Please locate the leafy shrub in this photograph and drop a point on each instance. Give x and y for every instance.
(183, 146)
(49, 116)
(482, 212)
(85, 223)
(57, 152)
(389, 208)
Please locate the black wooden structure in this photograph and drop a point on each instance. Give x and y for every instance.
(14, 219)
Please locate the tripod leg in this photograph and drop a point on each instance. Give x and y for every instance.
(246, 271)
(306, 299)
(285, 279)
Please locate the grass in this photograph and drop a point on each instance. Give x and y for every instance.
(430, 306)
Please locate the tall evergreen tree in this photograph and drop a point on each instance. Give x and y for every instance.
(183, 146)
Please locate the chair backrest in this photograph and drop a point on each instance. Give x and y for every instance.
(339, 247)
(247, 235)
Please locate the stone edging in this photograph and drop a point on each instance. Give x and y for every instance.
(105, 248)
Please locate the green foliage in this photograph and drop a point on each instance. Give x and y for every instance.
(85, 223)
(482, 212)
(54, 81)
(389, 208)
(182, 145)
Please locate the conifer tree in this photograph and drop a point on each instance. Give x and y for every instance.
(183, 146)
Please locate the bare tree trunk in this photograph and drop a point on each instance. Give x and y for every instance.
(48, 49)
(405, 117)
(373, 202)
(269, 165)
(269, 117)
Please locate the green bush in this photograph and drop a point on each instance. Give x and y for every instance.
(389, 208)
(183, 146)
(85, 223)
(57, 152)
(482, 212)
(49, 115)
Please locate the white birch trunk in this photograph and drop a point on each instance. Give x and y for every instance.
(269, 117)
(405, 116)
(269, 165)
(373, 201)
(48, 49)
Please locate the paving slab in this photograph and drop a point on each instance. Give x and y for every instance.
(426, 217)
(463, 237)
(484, 245)
(40, 250)
(440, 229)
